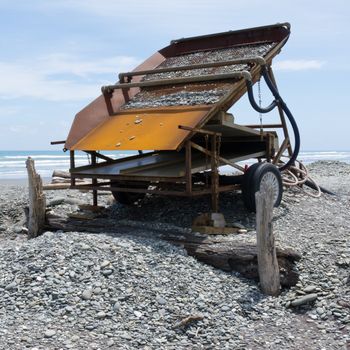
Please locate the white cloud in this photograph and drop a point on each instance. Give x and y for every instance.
(66, 63)
(296, 65)
(40, 78)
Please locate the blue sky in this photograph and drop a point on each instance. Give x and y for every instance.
(55, 56)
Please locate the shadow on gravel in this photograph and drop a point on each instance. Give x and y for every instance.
(181, 211)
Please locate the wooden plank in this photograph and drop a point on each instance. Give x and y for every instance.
(267, 259)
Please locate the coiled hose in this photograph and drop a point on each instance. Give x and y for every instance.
(278, 101)
(292, 175)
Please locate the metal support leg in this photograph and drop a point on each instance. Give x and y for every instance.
(282, 117)
(72, 166)
(214, 175)
(94, 181)
(188, 168)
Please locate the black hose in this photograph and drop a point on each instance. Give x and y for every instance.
(278, 101)
(310, 184)
(254, 104)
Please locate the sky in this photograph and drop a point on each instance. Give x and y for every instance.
(56, 55)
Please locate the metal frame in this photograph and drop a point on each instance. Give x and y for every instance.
(128, 86)
(185, 185)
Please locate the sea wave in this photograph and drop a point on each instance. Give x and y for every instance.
(12, 163)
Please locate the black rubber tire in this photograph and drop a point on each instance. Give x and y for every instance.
(252, 180)
(127, 198)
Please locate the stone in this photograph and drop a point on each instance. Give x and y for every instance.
(11, 286)
(309, 289)
(49, 333)
(105, 263)
(100, 315)
(17, 229)
(320, 310)
(116, 307)
(48, 234)
(304, 299)
(87, 294)
(56, 201)
(138, 314)
(160, 300)
(107, 272)
(90, 326)
(110, 342)
(75, 338)
(74, 201)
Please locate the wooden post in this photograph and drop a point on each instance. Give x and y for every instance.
(269, 274)
(37, 201)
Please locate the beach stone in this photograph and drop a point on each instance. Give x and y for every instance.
(87, 294)
(320, 310)
(160, 300)
(309, 289)
(101, 315)
(74, 201)
(107, 272)
(304, 300)
(48, 234)
(56, 201)
(90, 326)
(11, 286)
(105, 263)
(49, 333)
(110, 342)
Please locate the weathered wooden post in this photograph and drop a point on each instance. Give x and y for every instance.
(269, 274)
(37, 201)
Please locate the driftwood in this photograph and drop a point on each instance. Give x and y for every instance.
(187, 320)
(61, 186)
(223, 252)
(60, 173)
(37, 201)
(267, 259)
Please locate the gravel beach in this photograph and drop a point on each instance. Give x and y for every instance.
(129, 290)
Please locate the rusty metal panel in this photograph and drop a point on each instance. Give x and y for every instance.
(96, 112)
(147, 129)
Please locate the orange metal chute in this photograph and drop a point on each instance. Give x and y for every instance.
(146, 129)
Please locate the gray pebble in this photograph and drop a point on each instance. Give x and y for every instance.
(49, 333)
(310, 289)
(87, 294)
(304, 300)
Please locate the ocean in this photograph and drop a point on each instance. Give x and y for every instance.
(12, 163)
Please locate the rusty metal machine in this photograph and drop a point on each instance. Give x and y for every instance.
(172, 109)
